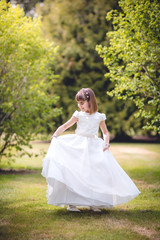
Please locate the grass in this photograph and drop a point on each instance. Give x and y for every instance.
(25, 214)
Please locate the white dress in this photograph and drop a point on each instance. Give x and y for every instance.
(79, 173)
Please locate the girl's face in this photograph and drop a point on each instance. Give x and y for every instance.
(84, 106)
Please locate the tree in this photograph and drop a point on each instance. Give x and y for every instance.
(77, 27)
(25, 78)
(133, 57)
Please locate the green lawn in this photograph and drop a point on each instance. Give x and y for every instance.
(25, 213)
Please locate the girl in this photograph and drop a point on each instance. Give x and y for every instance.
(79, 168)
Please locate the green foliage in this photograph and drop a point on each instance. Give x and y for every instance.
(25, 78)
(132, 57)
(77, 27)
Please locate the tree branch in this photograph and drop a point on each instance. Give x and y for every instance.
(5, 146)
(148, 75)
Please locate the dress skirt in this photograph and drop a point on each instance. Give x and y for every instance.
(79, 173)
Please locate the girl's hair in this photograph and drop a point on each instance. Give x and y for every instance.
(87, 94)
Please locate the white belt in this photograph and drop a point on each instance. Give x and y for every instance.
(87, 135)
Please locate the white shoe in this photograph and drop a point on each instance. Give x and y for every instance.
(72, 208)
(95, 209)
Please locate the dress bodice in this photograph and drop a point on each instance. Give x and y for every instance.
(88, 124)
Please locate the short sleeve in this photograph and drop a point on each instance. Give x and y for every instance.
(103, 117)
(76, 114)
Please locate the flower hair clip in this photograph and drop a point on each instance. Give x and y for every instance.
(87, 95)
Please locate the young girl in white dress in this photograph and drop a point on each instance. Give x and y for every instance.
(79, 168)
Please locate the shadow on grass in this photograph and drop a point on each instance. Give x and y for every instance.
(131, 215)
(28, 210)
(26, 222)
(16, 172)
(25, 212)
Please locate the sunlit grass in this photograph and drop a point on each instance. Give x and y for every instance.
(26, 215)
(26, 162)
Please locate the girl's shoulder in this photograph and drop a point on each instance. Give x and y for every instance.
(101, 116)
(76, 114)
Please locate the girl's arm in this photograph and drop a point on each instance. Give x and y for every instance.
(105, 134)
(65, 126)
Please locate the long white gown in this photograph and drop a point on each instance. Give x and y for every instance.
(79, 173)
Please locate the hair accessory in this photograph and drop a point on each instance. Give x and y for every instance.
(87, 95)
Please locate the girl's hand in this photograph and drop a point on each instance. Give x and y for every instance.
(106, 147)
